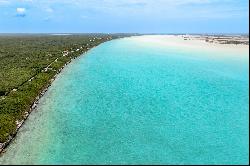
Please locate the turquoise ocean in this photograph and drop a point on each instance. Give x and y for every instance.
(125, 102)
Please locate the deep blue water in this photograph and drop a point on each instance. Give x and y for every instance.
(128, 103)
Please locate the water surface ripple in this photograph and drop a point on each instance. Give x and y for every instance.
(126, 102)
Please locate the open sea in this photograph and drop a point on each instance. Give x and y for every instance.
(127, 102)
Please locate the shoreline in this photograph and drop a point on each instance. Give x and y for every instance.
(4, 145)
(145, 39)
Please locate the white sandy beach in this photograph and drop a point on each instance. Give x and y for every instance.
(176, 41)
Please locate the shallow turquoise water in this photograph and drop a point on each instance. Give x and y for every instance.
(129, 103)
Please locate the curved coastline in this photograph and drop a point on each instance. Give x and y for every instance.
(4, 146)
(49, 114)
(33, 107)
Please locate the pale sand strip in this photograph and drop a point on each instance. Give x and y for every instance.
(177, 41)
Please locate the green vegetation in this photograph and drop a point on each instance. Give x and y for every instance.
(27, 64)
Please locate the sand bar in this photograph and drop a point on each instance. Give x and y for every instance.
(193, 43)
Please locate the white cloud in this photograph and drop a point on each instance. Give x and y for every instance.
(135, 8)
(21, 12)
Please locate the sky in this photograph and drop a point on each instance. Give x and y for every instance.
(124, 16)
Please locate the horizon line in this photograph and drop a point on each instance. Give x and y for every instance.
(70, 33)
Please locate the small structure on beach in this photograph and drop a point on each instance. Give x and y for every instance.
(65, 53)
